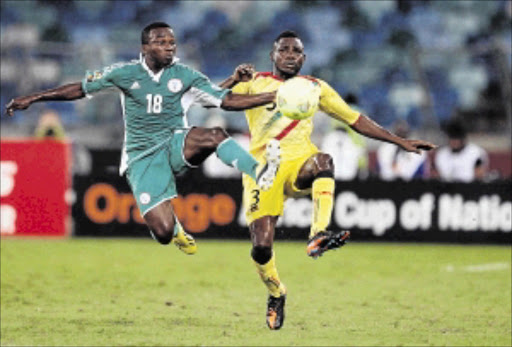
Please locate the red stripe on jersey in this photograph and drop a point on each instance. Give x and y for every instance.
(287, 129)
(311, 78)
(271, 75)
(268, 74)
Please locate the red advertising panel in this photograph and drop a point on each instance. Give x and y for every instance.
(35, 178)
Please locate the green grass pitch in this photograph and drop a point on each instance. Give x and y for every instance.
(110, 292)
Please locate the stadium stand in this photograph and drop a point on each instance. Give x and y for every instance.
(422, 61)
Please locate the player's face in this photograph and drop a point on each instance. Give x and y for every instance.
(161, 47)
(456, 144)
(288, 56)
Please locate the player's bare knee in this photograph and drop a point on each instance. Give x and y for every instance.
(217, 135)
(162, 231)
(162, 239)
(261, 254)
(324, 165)
(324, 162)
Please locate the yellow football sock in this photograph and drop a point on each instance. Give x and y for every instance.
(323, 196)
(270, 277)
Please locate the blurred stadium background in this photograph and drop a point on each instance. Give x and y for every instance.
(422, 61)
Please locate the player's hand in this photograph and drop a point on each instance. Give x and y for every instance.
(243, 73)
(20, 103)
(416, 146)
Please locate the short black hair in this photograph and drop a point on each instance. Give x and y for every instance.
(286, 33)
(455, 129)
(144, 35)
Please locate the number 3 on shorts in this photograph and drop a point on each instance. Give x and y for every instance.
(256, 199)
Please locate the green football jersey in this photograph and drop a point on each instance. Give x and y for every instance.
(154, 105)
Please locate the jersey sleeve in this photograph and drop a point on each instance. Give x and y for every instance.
(205, 92)
(98, 80)
(242, 88)
(332, 104)
(482, 159)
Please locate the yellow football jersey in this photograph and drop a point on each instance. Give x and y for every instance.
(265, 122)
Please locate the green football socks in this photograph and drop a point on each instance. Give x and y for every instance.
(232, 154)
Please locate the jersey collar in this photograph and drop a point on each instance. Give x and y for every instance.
(269, 74)
(155, 76)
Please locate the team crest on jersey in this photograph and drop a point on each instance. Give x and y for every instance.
(94, 76)
(175, 85)
(144, 198)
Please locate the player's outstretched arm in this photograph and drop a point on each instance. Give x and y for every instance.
(66, 92)
(240, 102)
(367, 127)
(242, 73)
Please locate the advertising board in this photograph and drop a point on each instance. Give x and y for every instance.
(35, 187)
(372, 210)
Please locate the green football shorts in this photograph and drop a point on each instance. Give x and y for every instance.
(152, 176)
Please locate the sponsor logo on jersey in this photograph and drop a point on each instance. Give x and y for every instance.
(135, 85)
(175, 85)
(144, 198)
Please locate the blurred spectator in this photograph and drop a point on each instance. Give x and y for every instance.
(55, 33)
(82, 159)
(395, 163)
(460, 161)
(460, 58)
(347, 149)
(49, 126)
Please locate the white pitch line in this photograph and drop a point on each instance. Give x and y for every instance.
(478, 267)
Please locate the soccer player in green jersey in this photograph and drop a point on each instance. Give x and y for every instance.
(156, 92)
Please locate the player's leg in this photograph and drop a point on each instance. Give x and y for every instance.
(262, 209)
(165, 227)
(153, 184)
(262, 236)
(161, 222)
(202, 142)
(317, 173)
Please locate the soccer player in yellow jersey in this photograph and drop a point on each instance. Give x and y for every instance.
(303, 168)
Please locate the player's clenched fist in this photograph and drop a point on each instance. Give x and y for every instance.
(243, 72)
